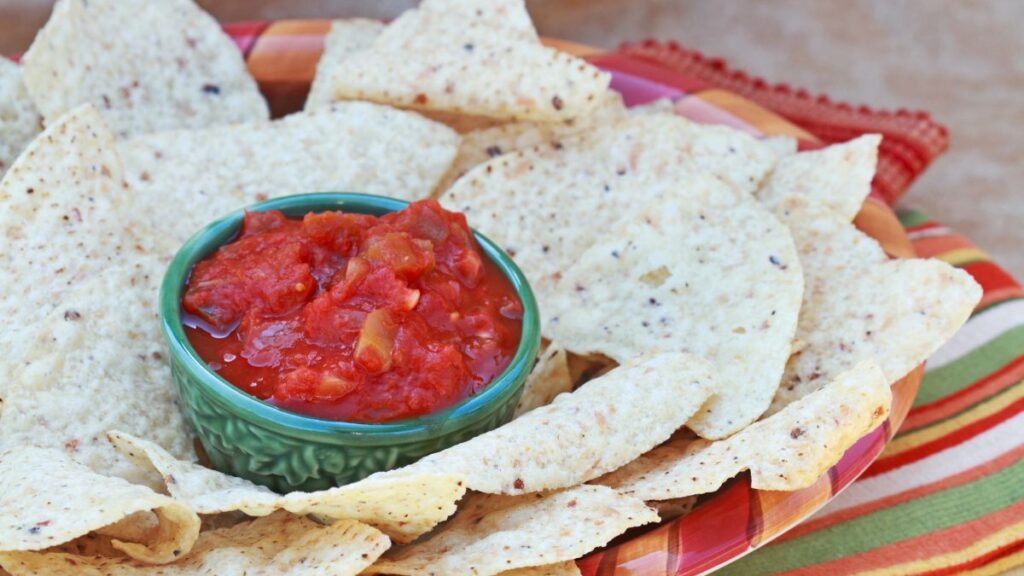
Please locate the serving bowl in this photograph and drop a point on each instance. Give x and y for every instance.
(247, 437)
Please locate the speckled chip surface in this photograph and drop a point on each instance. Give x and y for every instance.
(859, 305)
(403, 507)
(714, 276)
(475, 57)
(185, 179)
(19, 119)
(279, 545)
(600, 426)
(147, 66)
(492, 534)
(786, 451)
(48, 499)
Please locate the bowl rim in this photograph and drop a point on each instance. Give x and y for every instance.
(455, 417)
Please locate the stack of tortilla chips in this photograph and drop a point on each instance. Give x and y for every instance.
(708, 306)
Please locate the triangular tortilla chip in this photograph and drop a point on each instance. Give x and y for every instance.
(860, 305)
(277, 545)
(715, 277)
(48, 499)
(491, 534)
(838, 176)
(19, 119)
(147, 66)
(549, 378)
(72, 249)
(478, 57)
(345, 38)
(548, 204)
(403, 507)
(184, 180)
(602, 425)
(786, 451)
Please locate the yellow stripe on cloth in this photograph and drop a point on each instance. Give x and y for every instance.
(926, 435)
(964, 256)
(979, 548)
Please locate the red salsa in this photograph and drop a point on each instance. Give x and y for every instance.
(354, 317)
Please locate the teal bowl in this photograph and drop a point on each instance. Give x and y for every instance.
(247, 437)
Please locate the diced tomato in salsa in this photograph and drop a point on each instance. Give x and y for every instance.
(354, 317)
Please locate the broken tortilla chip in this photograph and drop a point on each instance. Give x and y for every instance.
(477, 57)
(278, 545)
(597, 428)
(403, 507)
(860, 305)
(345, 38)
(547, 205)
(147, 66)
(549, 378)
(786, 451)
(690, 275)
(48, 499)
(492, 534)
(185, 179)
(838, 176)
(19, 119)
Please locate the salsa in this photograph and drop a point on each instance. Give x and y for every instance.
(354, 317)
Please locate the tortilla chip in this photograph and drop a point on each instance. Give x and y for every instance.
(48, 499)
(479, 146)
(346, 37)
(601, 426)
(549, 378)
(781, 145)
(403, 507)
(714, 277)
(787, 451)
(147, 66)
(559, 569)
(492, 534)
(278, 545)
(72, 250)
(548, 204)
(19, 119)
(654, 107)
(838, 176)
(184, 180)
(860, 305)
(477, 57)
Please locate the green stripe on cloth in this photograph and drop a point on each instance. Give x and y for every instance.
(889, 525)
(911, 218)
(973, 366)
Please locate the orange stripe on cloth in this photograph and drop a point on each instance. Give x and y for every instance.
(948, 406)
(967, 476)
(982, 560)
(946, 547)
(877, 220)
(766, 121)
(936, 246)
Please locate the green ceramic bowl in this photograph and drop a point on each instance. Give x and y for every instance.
(285, 451)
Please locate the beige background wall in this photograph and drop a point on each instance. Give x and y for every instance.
(963, 60)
